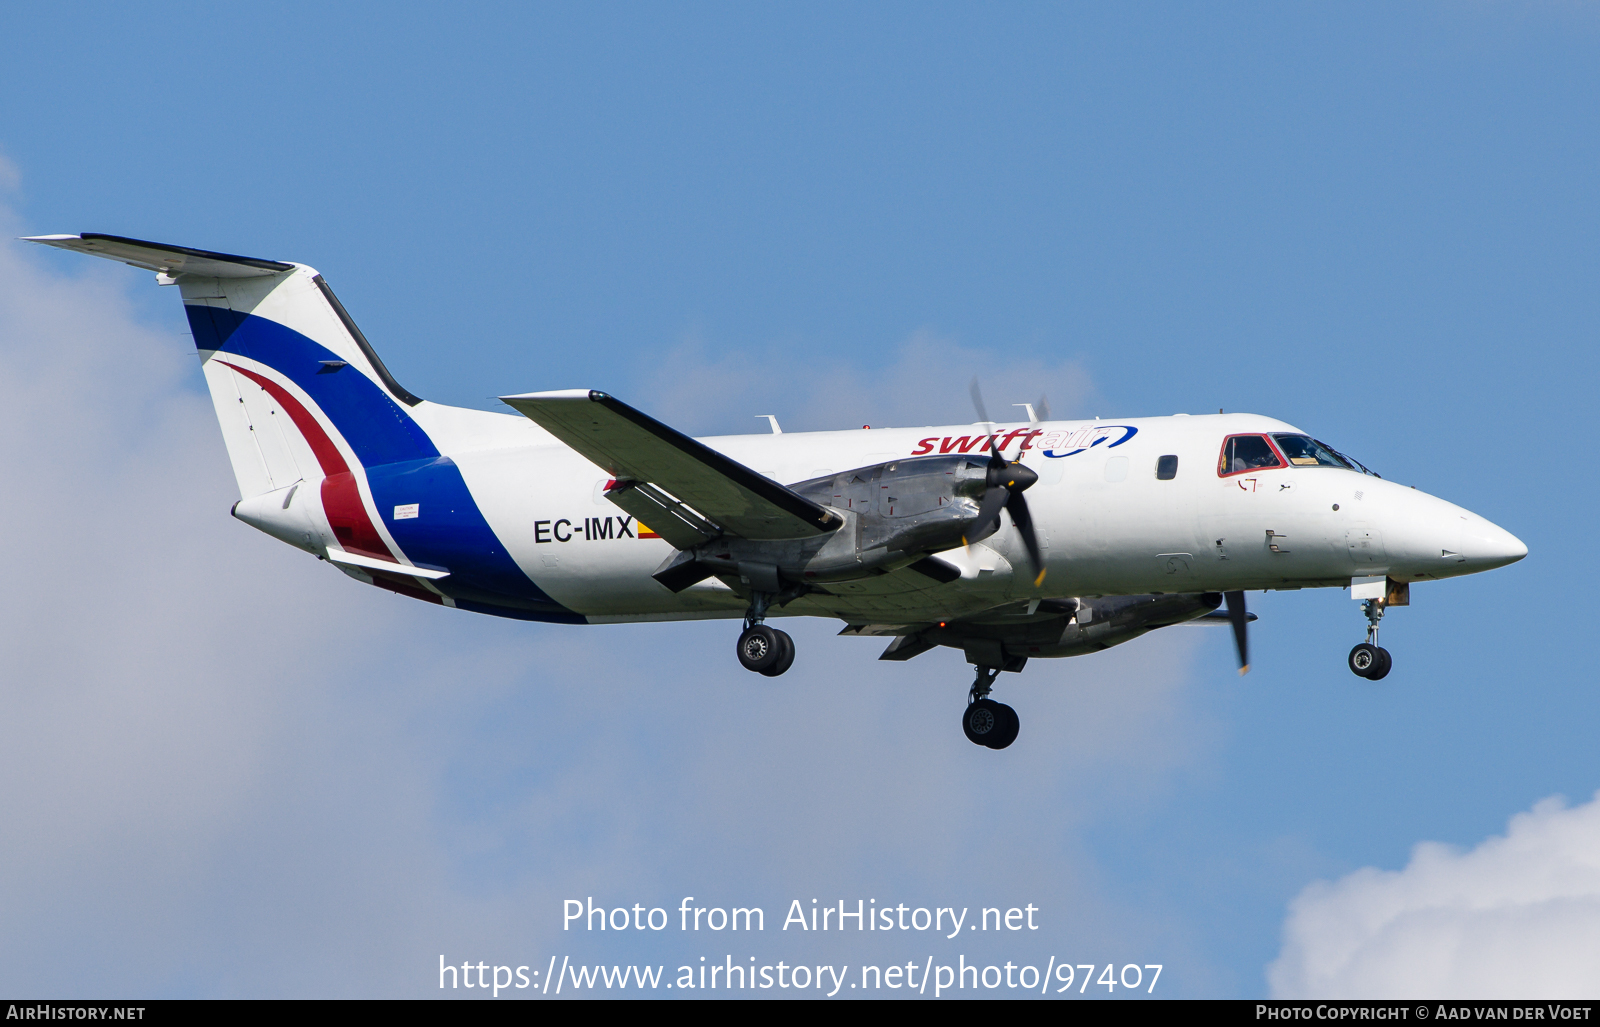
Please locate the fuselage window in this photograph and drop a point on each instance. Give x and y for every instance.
(1304, 451)
(1166, 468)
(1247, 453)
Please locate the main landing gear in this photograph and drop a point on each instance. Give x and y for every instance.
(1368, 660)
(762, 649)
(985, 721)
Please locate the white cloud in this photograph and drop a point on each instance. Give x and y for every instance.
(924, 381)
(1516, 917)
(228, 770)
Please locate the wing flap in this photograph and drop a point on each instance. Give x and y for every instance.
(634, 447)
(679, 525)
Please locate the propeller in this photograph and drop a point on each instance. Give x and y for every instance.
(1240, 619)
(1004, 483)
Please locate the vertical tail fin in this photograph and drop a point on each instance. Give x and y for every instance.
(284, 347)
(298, 391)
(302, 400)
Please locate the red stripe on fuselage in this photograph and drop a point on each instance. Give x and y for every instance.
(347, 515)
(341, 498)
(404, 587)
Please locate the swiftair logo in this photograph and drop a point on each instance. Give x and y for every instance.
(1053, 444)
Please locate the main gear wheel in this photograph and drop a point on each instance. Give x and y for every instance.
(989, 723)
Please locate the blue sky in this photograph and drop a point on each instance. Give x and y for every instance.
(1377, 222)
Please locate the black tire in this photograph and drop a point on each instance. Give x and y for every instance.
(1009, 726)
(785, 656)
(1364, 659)
(981, 721)
(759, 648)
(1380, 670)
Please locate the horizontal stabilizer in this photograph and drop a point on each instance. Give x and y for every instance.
(369, 563)
(634, 447)
(161, 257)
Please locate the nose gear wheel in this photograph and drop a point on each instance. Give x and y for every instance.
(1370, 660)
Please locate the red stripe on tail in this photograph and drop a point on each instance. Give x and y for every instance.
(341, 498)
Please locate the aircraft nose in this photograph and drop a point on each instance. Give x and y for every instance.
(1488, 545)
(1441, 539)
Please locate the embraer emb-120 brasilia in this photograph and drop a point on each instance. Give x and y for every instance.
(1006, 541)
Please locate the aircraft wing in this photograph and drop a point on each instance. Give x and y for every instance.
(648, 458)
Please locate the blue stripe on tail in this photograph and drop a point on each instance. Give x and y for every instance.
(402, 464)
(372, 423)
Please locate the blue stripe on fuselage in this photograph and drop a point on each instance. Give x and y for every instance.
(402, 464)
(517, 614)
(452, 533)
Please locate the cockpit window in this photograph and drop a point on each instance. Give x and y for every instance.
(1247, 453)
(1350, 461)
(1305, 451)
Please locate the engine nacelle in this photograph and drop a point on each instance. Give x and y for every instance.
(894, 514)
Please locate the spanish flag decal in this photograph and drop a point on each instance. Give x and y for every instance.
(644, 532)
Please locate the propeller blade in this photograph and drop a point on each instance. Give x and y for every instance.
(1018, 508)
(1240, 619)
(977, 401)
(995, 459)
(1005, 483)
(988, 520)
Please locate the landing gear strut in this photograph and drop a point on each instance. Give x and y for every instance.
(762, 649)
(985, 721)
(1368, 660)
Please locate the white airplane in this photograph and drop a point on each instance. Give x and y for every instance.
(1006, 541)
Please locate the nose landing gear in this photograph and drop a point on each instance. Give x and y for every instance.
(1368, 660)
(986, 722)
(762, 649)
